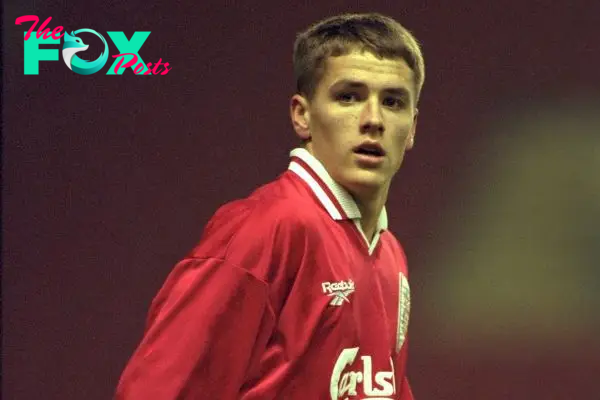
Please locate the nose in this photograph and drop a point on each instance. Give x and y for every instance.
(372, 118)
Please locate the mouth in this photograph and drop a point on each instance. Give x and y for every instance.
(372, 149)
(369, 155)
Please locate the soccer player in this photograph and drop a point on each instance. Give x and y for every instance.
(300, 291)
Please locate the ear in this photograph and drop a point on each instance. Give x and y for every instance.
(413, 130)
(300, 115)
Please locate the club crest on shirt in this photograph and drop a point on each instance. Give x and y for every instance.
(403, 310)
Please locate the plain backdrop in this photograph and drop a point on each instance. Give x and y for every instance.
(108, 180)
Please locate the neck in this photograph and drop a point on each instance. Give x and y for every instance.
(370, 208)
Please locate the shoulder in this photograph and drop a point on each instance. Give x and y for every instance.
(270, 239)
(276, 223)
(268, 220)
(393, 249)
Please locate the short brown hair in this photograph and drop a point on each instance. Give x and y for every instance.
(339, 35)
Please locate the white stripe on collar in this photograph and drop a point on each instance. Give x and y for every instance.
(342, 196)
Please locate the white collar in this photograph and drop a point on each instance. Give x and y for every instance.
(334, 198)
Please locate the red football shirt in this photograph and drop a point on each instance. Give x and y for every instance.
(283, 298)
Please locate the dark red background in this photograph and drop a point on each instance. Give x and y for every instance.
(108, 180)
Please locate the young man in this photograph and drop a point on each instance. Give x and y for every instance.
(299, 291)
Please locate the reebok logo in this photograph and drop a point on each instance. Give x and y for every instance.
(339, 291)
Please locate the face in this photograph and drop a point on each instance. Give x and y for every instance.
(360, 121)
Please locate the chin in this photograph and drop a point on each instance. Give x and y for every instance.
(364, 181)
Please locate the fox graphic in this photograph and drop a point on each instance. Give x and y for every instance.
(73, 44)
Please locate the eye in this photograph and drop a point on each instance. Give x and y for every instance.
(394, 102)
(347, 97)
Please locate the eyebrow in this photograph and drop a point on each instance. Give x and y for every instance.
(349, 83)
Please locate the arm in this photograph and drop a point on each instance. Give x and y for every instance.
(207, 327)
